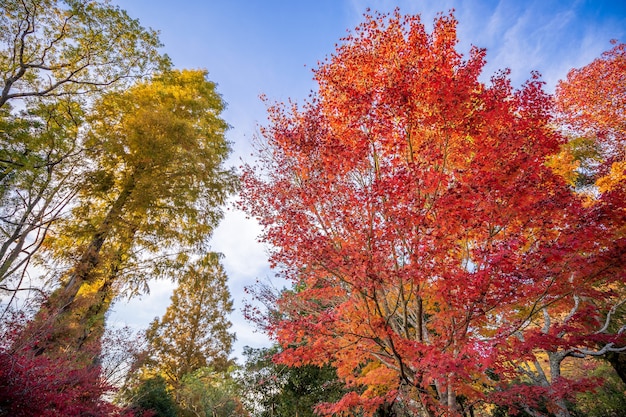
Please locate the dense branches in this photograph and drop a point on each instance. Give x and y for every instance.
(56, 57)
(52, 48)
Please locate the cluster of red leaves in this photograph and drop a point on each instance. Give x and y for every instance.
(412, 207)
(592, 99)
(34, 384)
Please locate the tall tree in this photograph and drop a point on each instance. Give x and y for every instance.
(154, 192)
(55, 57)
(411, 206)
(194, 332)
(590, 104)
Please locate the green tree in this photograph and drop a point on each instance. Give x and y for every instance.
(152, 396)
(58, 47)
(194, 332)
(272, 390)
(207, 393)
(39, 160)
(154, 194)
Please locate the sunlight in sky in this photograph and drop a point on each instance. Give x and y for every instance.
(270, 47)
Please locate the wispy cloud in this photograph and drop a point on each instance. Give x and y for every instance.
(539, 35)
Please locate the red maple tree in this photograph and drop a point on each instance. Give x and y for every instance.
(34, 384)
(591, 100)
(590, 105)
(411, 206)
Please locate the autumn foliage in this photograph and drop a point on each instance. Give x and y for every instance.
(456, 246)
(32, 384)
(433, 252)
(111, 174)
(591, 100)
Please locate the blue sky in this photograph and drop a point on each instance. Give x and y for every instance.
(254, 47)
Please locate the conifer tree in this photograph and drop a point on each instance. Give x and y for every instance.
(194, 332)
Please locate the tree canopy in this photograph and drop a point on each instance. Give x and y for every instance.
(152, 197)
(194, 332)
(432, 250)
(56, 59)
(69, 47)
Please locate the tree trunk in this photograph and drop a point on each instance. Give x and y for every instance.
(72, 319)
(83, 271)
(555, 359)
(618, 361)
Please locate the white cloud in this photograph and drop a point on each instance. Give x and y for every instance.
(245, 261)
(139, 311)
(237, 238)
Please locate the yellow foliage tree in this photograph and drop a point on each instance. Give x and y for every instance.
(155, 193)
